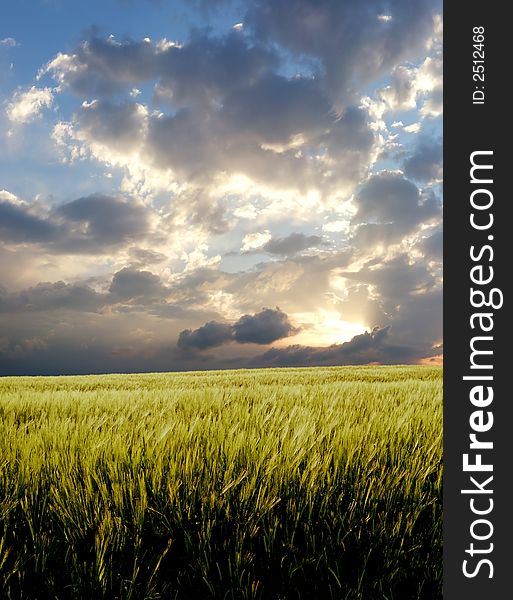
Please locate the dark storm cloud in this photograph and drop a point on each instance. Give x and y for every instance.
(389, 207)
(248, 134)
(101, 67)
(108, 220)
(198, 71)
(364, 348)
(275, 108)
(207, 68)
(406, 295)
(87, 225)
(118, 126)
(405, 301)
(131, 284)
(233, 112)
(207, 336)
(292, 244)
(390, 198)
(265, 327)
(18, 225)
(417, 323)
(382, 345)
(353, 44)
(98, 223)
(141, 257)
(425, 164)
(432, 246)
(350, 137)
(52, 296)
(197, 145)
(395, 279)
(128, 285)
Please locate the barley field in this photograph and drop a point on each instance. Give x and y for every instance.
(316, 483)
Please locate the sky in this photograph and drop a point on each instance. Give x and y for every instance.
(222, 184)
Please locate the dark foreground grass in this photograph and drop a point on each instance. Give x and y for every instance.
(295, 483)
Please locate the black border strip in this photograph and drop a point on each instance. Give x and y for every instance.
(468, 128)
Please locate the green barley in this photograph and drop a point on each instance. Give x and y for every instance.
(250, 484)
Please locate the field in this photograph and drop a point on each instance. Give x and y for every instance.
(321, 483)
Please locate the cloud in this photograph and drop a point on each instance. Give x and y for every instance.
(401, 292)
(365, 348)
(232, 113)
(265, 327)
(352, 43)
(292, 244)
(200, 148)
(9, 42)
(131, 284)
(52, 296)
(117, 126)
(210, 335)
(198, 71)
(430, 84)
(18, 224)
(255, 241)
(389, 207)
(433, 105)
(275, 109)
(128, 286)
(105, 220)
(390, 344)
(198, 207)
(90, 224)
(208, 68)
(432, 246)
(425, 164)
(401, 93)
(397, 280)
(403, 297)
(141, 257)
(411, 86)
(258, 138)
(197, 146)
(26, 106)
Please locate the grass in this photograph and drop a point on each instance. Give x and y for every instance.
(321, 483)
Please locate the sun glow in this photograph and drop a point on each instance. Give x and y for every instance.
(323, 328)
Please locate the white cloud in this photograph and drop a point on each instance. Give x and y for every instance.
(253, 241)
(246, 211)
(413, 128)
(199, 259)
(62, 67)
(414, 86)
(25, 106)
(5, 195)
(336, 226)
(9, 42)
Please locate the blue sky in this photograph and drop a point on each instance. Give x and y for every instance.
(219, 184)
